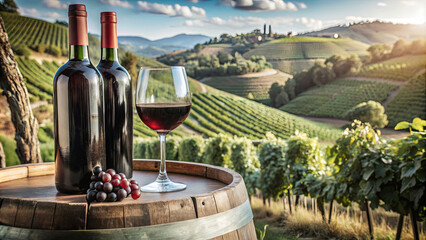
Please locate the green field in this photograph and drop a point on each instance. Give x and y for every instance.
(397, 69)
(255, 87)
(334, 99)
(294, 66)
(409, 103)
(307, 48)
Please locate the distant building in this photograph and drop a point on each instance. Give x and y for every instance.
(264, 29)
(270, 34)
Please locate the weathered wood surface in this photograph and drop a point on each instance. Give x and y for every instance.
(13, 85)
(29, 200)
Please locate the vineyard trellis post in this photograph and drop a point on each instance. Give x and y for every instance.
(330, 211)
(13, 85)
(414, 224)
(289, 200)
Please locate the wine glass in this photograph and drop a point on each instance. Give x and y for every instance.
(163, 101)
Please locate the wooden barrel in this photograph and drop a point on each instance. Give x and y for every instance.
(214, 206)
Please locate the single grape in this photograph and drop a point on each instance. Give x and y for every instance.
(122, 175)
(121, 194)
(115, 182)
(128, 190)
(94, 178)
(99, 186)
(115, 189)
(111, 197)
(116, 176)
(92, 185)
(106, 177)
(101, 196)
(134, 187)
(124, 183)
(97, 170)
(108, 187)
(110, 171)
(91, 196)
(101, 175)
(134, 182)
(136, 194)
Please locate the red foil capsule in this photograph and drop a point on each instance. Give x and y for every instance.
(109, 30)
(77, 24)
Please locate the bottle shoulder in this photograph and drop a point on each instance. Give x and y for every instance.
(77, 69)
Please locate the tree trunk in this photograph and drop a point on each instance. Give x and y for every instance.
(264, 201)
(283, 203)
(331, 211)
(2, 157)
(414, 225)
(399, 228)
(369, 219)
(296, 202)
(289, 201)
(13, 85)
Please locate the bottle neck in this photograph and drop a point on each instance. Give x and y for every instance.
(78, 52)
(109, 54)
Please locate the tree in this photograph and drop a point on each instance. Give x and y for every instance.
(342, 65)
(371, 112)
(2, 157)
(13, 85)
(224, 57)
(129, 62)
(63, 23)
(8, 6)
(273, 92)
(322, 73)
(379, 52)
(198, 47)
(281, 99)
(303, 81)
(400, 48)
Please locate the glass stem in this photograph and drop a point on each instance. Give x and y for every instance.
(162, 176)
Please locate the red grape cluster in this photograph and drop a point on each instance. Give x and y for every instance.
(110, 186)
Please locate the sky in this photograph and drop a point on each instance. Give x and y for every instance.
(154, 19)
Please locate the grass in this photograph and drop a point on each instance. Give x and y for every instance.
(306, 48)
(346, 224)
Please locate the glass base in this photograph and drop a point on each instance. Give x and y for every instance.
(163, 186)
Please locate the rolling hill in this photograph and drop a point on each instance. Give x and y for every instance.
(213, 111)
(254, 86)
(375, 32)
(294, 54)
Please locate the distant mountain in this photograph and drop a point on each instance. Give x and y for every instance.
(186, 40)
(148, 48)
(375, 32)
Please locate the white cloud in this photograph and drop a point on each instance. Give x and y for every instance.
(32, 12)
(56, 4)
(262, 5)
(302, 5)
(117, 3)
(409, 3)
(172, 10)
(283, 23)
(193, 1)
(381, 4)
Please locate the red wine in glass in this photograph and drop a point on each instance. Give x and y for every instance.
(163, 102)
(163, 116)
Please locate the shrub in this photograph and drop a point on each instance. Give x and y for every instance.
(41, 48)
(191, 149)
(22, 50)
(217, 151)
(371, 112)
(55, 51)
(9, 146)
(153, 151)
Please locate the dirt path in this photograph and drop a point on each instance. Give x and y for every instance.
(39, 57)
(267, 72)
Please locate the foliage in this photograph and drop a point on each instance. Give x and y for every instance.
(348, 165)
(191, 149)
(129, 61)
(47, 152)
(322, 73)
(417, 124)
(8, 6)
(371, 112)
(380, 52)
(9, 147)
(217, 151)
(244, 161)
(22, 50)
(55, 51)
(272, 158)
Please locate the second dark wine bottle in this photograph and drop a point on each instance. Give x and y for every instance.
(118, 100)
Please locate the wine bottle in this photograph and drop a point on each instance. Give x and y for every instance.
(118, 100)
(78, 111)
